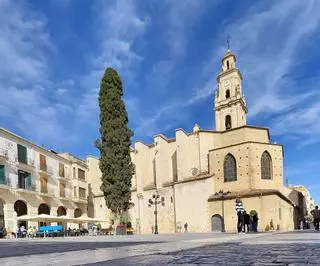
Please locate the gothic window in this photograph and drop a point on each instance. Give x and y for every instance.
(266, 166)
(228, 65)
(230, 168)
(228, 122)
(227, 94)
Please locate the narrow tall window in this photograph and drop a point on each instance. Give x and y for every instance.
(266, 166)
(61, 169)
(43, 162)
(2, 175)
(228, 65)
(227, 94)
(154, 172)
(230, 168)
(228, 122)
(174, 166)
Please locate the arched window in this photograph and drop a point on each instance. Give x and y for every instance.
(228, 65)
(43, 209)
(230, 168)
(61, 211)
(227, 94)
(228, 122)
(77, 212)
(266, 166)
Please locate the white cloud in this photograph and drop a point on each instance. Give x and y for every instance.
(267, 42)
(303, 123)
(22, 34)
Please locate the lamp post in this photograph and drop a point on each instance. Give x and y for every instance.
(222, 196)
(155, 201)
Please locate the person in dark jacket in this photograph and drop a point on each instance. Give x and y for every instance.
(240, 224)
(246, 217)
(255, 222)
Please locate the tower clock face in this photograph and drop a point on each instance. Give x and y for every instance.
(226, 83)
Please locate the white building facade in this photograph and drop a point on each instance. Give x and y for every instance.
(34, 181)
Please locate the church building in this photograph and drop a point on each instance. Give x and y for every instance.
(197, 177)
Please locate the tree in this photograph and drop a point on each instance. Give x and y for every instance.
(114, 145)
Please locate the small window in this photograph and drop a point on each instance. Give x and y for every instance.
(228, 66)
(228, 122)
(81, 174)
(227, 94)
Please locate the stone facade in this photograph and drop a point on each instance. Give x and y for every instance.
(34, 180)
(189, 170)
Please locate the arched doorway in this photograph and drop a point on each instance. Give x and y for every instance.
(61, 211)
(20, 207)
(216, 223)
(77, 212)
(2, 213)
(43, 209)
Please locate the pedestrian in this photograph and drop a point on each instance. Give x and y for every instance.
(152, 229)
(240, 223)
(246, 218)
(255, 220)
(186, 227)
(240, 210)
(316, 217)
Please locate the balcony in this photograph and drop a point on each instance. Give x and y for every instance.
(27, 165)
(27, 189)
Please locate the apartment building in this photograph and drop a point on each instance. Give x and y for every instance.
(34, 180)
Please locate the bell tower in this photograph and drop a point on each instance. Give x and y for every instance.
(229, 104)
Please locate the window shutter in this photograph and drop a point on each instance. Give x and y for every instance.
(2, 175)
(22, 154)
(29, 181)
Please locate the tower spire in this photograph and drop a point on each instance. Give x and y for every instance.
(228, 43)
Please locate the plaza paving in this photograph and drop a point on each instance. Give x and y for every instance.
(295, 248)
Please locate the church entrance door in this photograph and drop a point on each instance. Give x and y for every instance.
(216, 223)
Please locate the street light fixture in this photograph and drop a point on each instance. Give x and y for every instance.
(222, 195)
(155, 201)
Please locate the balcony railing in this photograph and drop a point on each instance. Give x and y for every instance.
(27, 187)
(44, 190)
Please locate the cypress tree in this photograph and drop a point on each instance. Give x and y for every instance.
(114, 145)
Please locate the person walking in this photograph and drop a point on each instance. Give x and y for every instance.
(316, 217)
(240, 210)
(186, 227)
(240, 223)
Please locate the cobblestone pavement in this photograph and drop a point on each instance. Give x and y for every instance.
(295, 248)
(282, 249)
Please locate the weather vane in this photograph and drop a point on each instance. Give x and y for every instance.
(228, 42)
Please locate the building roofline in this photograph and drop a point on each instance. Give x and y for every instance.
(36, 146)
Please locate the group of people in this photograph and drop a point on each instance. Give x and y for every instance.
(247, 223)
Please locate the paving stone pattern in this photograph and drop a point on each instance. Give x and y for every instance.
(291, 253)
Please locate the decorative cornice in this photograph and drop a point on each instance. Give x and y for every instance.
(249, 194)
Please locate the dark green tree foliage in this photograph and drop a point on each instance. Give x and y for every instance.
(114, 144)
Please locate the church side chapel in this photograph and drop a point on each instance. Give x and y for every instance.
(199, 175)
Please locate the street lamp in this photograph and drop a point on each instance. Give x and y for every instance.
(155, 201)
(221, 194)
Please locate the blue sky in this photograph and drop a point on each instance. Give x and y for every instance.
(53, 54)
